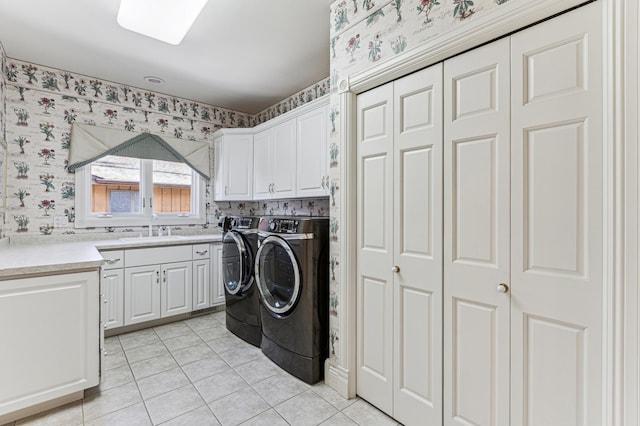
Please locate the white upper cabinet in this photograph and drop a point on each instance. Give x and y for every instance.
(312, 165)
(274, 162)
(282, 158)
(233, 156)
(261, 165)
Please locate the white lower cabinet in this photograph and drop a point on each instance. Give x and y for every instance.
(157, 291)
(51, 347)
(144, 284)
(157, 282)
(112, 289)
(142, 294)
(175, 291)
(201, 284)
(112, 294)
(217, 282)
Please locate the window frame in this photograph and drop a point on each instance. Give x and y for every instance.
(85, 218)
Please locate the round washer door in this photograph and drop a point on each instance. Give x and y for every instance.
(236, 263)
(277, 275)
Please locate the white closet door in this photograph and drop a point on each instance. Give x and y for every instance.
(418, 248)
(375, 247)
(557, 221)
(476, 236)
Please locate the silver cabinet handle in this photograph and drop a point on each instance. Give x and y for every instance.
(395, 269)
(322, 184)
(502, 288)
(226, 190)
(164, 276)
(157, 277)
(112, 261)
(201, 252)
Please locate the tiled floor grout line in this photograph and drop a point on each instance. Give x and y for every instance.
(192, 384)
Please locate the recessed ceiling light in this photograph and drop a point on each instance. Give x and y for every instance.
(164, 20)
(154, 80)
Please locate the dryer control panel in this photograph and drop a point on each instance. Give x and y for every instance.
(283, 226)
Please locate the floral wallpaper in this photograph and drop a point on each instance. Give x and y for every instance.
(42, 103)
(304, 96)
(3, 59)
(3, 87)
(364, 33)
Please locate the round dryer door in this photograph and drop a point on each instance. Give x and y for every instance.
(236, 263)
(277, 275)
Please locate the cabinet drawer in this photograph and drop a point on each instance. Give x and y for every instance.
(114, 259)
(156, 255)
(200, 251)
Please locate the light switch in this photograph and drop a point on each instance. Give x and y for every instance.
(60, 222)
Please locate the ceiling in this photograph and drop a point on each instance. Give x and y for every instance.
(245, 55)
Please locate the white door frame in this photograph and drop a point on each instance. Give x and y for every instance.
(620, 293)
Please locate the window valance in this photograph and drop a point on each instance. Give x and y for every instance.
(90, 143)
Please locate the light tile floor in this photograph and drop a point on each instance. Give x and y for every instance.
(194, 373)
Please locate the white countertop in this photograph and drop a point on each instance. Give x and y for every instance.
(17, 261)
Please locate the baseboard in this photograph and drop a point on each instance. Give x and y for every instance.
(338, 378)
(39, 408)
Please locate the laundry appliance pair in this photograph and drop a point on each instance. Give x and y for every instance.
(276, 278)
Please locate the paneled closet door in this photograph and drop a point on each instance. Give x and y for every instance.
(399, 296)
(375, 247)
(557, 221)
(476, 236)
(417, 218)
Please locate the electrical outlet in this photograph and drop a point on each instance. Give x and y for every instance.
(60, 222)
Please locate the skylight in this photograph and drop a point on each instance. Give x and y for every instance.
(165, 20)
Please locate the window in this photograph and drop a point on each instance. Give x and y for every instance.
(121, 191)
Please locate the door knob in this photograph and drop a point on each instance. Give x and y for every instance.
(502, 288)
(395, 269)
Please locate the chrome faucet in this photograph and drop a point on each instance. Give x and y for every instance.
(151, 219)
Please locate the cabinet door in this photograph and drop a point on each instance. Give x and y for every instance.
(176, 290)
(50, 338)
(112, 298)
(219, 177)
(283, 160)
(142, 294)
(262, 164)
(201, 284)
(312, 165)
(217, 283)
(238, 158)
(476, 242)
